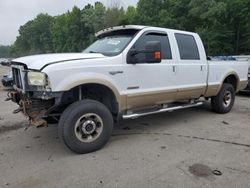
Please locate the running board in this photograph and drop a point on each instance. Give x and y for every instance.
(170, 109)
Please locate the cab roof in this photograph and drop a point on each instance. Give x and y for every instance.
(119, 28)
(133, 28)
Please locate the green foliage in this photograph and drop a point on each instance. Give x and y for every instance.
(4, 51)
(113, 16)
(35, 37)
(223, 25)
(70, 32)
(129, 17)
(148, 12)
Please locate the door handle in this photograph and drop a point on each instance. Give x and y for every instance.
(174, 69)
(115, 72)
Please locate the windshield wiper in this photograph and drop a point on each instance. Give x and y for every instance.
(93, 52)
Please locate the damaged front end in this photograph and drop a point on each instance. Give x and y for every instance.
(35, 101)
(34, 109)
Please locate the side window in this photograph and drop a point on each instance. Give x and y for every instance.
(187, 47)
(165, 46)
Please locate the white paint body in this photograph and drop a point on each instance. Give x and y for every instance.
(76, 68)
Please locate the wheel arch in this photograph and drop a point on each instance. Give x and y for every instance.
(100, 90)
(231, 78)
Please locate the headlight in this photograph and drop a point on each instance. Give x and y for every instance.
(36, 78)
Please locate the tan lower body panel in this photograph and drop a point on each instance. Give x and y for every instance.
(242, 85)
(212, 90)
(155, 98)
(189, 93)
(122, 101)
(150, 99)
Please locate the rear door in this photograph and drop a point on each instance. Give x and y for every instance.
(191, 71)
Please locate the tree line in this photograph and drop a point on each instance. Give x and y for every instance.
(4, 51)
(224, 25)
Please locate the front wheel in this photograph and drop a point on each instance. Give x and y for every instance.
(85, 126)
(223, 102)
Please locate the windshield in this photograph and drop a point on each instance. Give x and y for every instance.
(111, 45)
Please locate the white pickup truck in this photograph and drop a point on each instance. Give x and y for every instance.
(130, 71)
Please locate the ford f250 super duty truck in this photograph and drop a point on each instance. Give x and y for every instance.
(130, 71)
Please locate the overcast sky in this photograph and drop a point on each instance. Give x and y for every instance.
(14, 13)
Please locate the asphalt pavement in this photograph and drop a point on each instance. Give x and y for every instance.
(186, 148)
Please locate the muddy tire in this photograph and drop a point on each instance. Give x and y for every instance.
(85, 126)
(223, 102)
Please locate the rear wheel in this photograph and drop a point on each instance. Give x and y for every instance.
(85, 126)
(223, 102)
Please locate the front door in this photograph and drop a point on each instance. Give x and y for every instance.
(151, 84)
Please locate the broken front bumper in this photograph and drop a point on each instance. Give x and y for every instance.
(35, 105)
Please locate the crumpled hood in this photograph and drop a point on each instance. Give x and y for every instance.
(37, 62)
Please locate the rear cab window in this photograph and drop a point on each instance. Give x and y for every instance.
(187, 46)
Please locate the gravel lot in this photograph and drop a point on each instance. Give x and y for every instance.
(178, 149)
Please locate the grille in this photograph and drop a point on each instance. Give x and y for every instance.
(17, 78)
